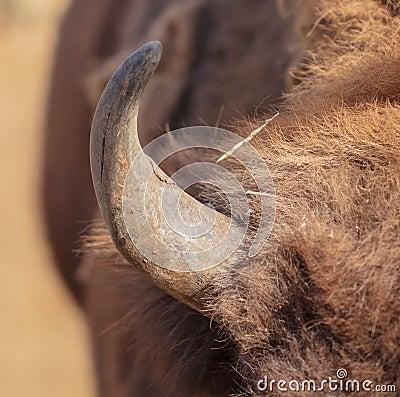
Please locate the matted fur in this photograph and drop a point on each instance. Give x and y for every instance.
(324, 293)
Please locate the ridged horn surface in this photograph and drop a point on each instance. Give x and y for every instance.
(114, 146)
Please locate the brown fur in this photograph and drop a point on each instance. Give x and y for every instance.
(324, 293)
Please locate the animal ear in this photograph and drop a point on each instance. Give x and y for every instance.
(176, 28)
(99, 74)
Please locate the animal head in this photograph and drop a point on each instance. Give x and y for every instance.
(323, 292)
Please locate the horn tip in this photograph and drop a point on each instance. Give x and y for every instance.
(151, 52)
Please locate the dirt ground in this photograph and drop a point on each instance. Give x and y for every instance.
(43, 346)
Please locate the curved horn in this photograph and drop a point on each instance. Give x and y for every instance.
(114, 145)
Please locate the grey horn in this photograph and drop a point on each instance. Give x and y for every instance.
(114, 146)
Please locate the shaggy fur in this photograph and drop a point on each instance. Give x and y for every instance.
(324, 293)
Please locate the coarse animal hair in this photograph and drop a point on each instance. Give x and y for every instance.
(324, 293)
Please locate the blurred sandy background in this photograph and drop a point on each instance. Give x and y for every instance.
(43, 347)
